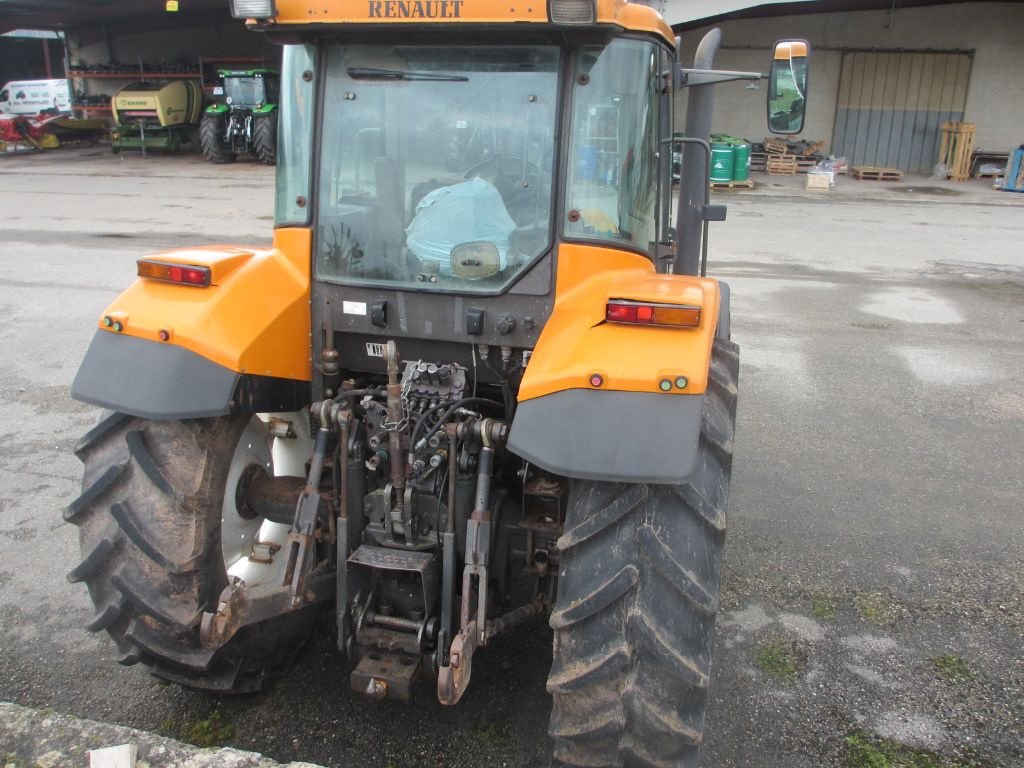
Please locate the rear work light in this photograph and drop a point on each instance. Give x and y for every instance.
(640, 313)
(174, 273)
(252, 9)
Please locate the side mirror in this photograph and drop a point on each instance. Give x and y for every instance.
(475, 260)
(787, 86)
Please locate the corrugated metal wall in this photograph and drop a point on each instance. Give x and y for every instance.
(891, 106)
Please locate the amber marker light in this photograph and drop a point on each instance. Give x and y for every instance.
(183, 274)
(639, 313)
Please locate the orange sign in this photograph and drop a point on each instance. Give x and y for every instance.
(339, 11)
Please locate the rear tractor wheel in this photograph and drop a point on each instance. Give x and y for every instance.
(212, 129)
(264, 138)
(161, 536)
(637, 598)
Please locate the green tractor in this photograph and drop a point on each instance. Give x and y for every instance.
(246, 121)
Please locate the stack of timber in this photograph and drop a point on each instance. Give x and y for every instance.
(807, 155)
(956, 148)
(781, 165)
(871, 173)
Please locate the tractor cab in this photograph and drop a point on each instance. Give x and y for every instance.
(253, 89)
(438, 163)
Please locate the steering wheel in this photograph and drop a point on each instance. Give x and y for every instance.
(507, 167)
(518, 181)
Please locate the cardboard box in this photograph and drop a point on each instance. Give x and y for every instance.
(819, 180)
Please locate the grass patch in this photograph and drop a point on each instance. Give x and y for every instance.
(495, 734)
(952, 668)
(874, 608)
(823, 607)
(865, 750)
(781, 658)
(211, 732)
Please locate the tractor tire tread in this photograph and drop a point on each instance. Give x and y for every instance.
(211, 129)
(148, 601)
(598, 667)
(106, 614)
(146, 462)
(661, 557)
(106, 425)
(598, 600)
(264, 138)
(133, 530)
(93, 559)
(94, 491)
(637, 599)
(193, 658)
(148, 521)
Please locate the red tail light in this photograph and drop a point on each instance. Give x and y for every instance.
(174, 273)
(637, 313)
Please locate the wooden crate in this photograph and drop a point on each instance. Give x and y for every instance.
(775, 146)
(956, 148)
(871, 173)
(805, 164)
(781, 165)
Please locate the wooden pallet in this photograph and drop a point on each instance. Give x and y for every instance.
(956, 148)
(871, 173)
(781, 165)
(748, 184)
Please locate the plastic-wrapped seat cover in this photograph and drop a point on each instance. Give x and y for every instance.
(470, 211)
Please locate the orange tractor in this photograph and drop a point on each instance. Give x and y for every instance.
(462, 389)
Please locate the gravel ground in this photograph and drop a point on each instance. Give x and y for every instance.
(872, 604)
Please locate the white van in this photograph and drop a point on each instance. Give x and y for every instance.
(30, 97)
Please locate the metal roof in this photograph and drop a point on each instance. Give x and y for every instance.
(684, 14)
(75, 14)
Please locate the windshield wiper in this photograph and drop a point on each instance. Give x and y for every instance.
(376, 73)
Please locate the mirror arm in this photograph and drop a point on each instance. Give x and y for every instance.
(694, 77)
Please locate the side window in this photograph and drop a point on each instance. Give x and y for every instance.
(612, 192)
(295, 135)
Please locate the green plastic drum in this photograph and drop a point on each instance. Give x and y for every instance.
(741, 162)
(722, 162)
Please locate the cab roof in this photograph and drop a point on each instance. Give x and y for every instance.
(626, 16)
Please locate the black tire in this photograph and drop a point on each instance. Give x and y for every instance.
(211, 138)
(149, 521)
(637, 598)
(264, 138)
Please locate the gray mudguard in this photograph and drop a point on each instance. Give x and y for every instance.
(639, 437)
(152, 380)
(161, 381)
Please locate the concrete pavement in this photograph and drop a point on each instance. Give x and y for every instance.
(872, 588)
